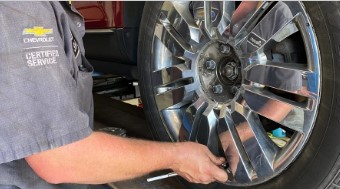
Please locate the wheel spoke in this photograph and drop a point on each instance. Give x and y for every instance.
(169, 76)
(252, 11)
(176, 127)
(290, 77)
(265, 162)
(276, 108)
(171, 38)
(267, 147)
(208, 24)
(165, 59)
(174, 98)
(173, 85)
(263, 38)
(182, 8)
(194, 113)
(289, 27)
(228, 8)
(207, 130)
(227, 125)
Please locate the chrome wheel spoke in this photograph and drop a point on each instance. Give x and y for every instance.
(174, 98)
(228, 127)
(289, 77)
(207, 130)
(167, 77)
(182, 8)
(228, 8)
(276, 108)
(171, 38)
(194, 113)
(286, 29)
(245, 18)
(267, 147)
(269, 31)
(265, 161)
(165, 59)
(178, 128)
(208, 24)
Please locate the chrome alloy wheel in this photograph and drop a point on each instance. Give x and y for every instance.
(225, 74)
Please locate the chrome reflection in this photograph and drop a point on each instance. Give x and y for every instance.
(272, 89)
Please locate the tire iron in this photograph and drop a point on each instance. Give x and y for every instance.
(172, 174)
(160, 177)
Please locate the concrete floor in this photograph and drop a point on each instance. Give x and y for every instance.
(114, 113)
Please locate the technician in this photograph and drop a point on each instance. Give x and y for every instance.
(46, 111)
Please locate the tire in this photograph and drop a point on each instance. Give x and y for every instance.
(202, 111)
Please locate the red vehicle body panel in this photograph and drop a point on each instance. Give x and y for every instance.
(111, 38)
(101, 14)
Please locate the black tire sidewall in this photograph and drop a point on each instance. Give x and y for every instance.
(147, 27)
(313, 166)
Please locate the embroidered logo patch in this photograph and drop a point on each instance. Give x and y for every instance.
(39, 46)
(37, 31)
(37, 34)
(41, 57)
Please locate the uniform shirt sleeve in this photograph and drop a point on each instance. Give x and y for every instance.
(46, 102)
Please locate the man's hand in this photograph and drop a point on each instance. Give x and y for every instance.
(197, 164)
(230, 151)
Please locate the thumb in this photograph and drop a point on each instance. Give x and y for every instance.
(220, 175)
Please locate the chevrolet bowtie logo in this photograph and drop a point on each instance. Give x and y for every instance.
(37, 31)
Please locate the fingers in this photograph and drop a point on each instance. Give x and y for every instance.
(200, 165)
(217, 173)
(217, 160)
(213, 173)
(220, 175)
(214, 159)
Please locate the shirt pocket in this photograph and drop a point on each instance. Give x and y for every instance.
(84, 86)
(84, 73)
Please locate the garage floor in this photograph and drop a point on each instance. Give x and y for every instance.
(114, 113)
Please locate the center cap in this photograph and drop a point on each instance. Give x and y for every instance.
(219, 69)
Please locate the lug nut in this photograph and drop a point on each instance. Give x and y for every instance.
(234, 89)
(225, 49)
(217, 89)
(210, 64)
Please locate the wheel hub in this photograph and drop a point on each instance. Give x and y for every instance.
(219, 71)
(230, 71)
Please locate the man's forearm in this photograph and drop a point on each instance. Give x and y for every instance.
(102, 158)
